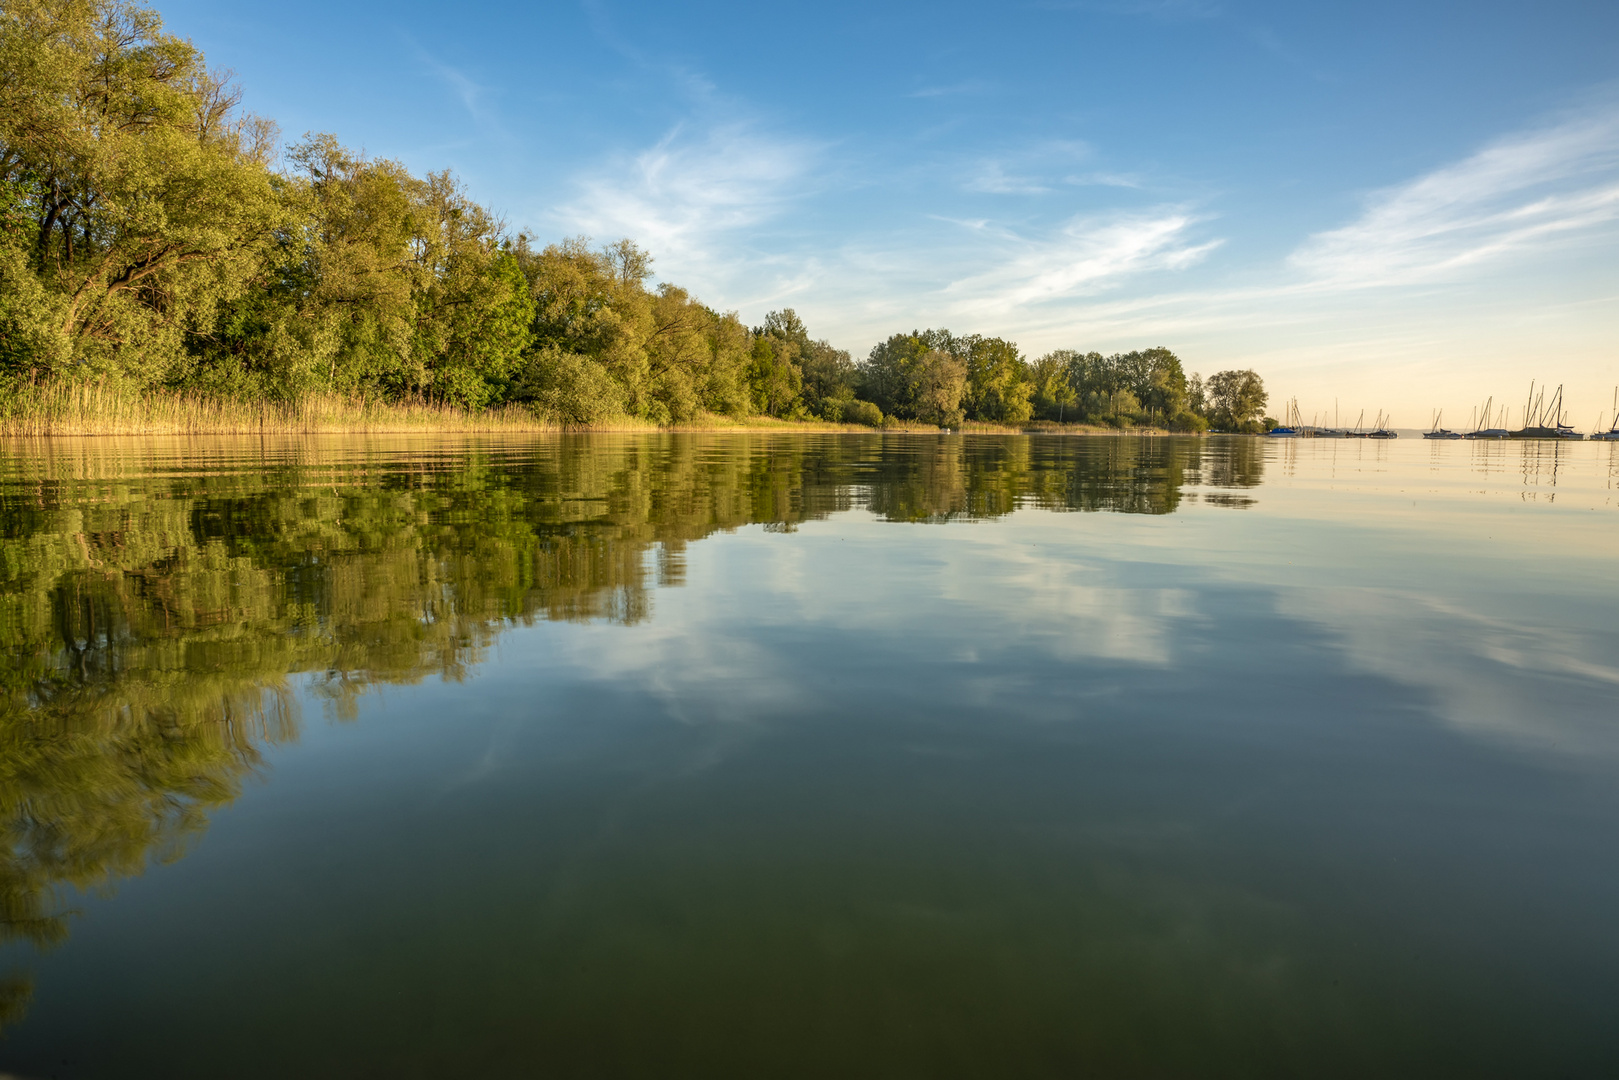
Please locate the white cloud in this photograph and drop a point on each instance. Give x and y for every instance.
(1530, 190)
(1029, 170)
(1086, 256)
(1104, 179)
(993, 179)
(685, 197)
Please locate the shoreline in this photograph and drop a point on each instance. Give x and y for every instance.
(94, 411)
(752, 426)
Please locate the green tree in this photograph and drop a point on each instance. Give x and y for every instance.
(998, 387)
(1236, 400)
(668, 355)
(147, 188)
(592, 316)
(1052, 393)
(917, 376)
(773, 377)
(827, 374)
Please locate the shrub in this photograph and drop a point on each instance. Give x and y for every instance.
(573, 389)
(862, 412)
(1188, 421)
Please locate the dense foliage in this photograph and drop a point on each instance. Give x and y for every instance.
(154, 233)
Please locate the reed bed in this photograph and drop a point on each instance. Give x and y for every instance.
(34, 410)
(104, 408)
(68, 408)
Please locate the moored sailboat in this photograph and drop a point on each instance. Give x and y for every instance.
(1483, 429)
(1542, 413)
(1292, 426)
(1437, 432)
(1612, 434)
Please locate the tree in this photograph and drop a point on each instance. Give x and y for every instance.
(480, 330)
(998, 387)
(1052, 395)
(147, 188)
(1236, 399)
(914, 376)
(773, 378)
(939, 380)
(1197, 398)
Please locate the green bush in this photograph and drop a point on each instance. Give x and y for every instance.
(571, 389)
(1188, 421)
(862, 412)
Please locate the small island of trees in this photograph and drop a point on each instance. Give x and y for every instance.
(159, 245)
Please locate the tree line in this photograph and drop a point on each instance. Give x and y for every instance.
(155, 233)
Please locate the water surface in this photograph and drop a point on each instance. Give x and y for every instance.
(809, 755)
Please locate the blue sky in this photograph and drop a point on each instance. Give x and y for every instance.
(1396, 206)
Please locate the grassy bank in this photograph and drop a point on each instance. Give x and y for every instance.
(57, 409)
(44, 410)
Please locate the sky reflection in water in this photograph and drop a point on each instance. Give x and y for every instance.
(800, 755)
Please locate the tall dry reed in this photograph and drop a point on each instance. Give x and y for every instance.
(103, 408)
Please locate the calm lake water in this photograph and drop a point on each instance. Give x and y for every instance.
(898, 756)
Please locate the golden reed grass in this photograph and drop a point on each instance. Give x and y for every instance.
(67, 408)
(34, 410)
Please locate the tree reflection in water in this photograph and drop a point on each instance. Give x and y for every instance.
(154, 600)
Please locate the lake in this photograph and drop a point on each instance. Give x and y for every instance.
(809, 755)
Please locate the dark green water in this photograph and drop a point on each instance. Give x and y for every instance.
(809, 756)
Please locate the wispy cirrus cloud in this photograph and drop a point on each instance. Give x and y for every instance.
(992, 178)
(1032, 170)
(687, 196)
(1105, 179)
(476, 98)
(1087, 255)
(1554, 185)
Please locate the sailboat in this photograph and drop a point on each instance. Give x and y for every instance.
(1483, 430)
(1382, 430)
(1540, 429)
(1333, 432)
(1612, 434)
(1437, 432)
(1291, 428)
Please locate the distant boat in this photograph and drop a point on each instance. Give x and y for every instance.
(1382, 431)
(1333, 432)
(1292, 426)
(1437, 432)
(1558, 431)
(1612, 434)
(1481, 424)
(1540, 429)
